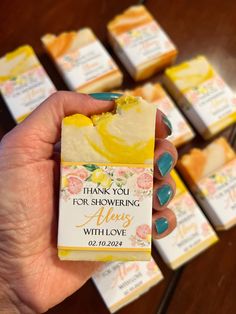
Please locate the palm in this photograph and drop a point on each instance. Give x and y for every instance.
(32, 227)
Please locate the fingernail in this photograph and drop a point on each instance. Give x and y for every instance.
(164, 194)
(168, 124)
(105, 96)
(164, 163)
(161, 225)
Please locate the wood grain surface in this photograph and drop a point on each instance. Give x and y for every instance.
(208, 283)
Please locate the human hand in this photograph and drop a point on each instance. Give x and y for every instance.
(32, 278)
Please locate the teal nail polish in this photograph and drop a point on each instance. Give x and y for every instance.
(165, 163)
(167, 124)
(164, 194)
(105, 96)
(161, 225)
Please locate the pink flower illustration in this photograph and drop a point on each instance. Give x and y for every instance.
(82, 173)
(189, 201)
(8, 87)
(211, 188)
(143, 231)
(120, 172)
(75, 185)
(138, 170)
(144, 181)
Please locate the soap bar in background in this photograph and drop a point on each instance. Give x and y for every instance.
(202, 94)
(140, 43)
(120, 283)
(83, 62)
(193, 233)
(155, 94)
(24, 84)
(106, 183)
(211, 174)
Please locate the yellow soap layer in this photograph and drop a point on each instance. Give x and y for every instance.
(103, 255)
(190, 74)
(126, 136)
(180, 187)
(16, 62)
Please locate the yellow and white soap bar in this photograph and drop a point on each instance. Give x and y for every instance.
(106, 183)
(140, 43)
(202, 94)
(211, 173)
(24, 84)
(155, 94)
(193, 233)
(120, 283)
(83, 61)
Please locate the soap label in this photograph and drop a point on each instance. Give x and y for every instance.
(105, 207)
(86, 64)
(24, 92)
(192, 234)
(145, 43)
(217, 194)
(213, 100)
(181, 129)
(120, 283)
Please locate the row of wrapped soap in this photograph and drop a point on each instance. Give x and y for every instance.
(87, 67)
(214, 186)
(208, 103)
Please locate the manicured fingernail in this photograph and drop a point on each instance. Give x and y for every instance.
(167, 124)
(165, 163)
(105, 96)
(164, 194)
(161, 225)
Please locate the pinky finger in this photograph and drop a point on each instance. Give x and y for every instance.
(164, 222)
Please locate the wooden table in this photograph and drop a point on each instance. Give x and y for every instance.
(208, 283)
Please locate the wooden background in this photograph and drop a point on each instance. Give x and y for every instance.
(208, 283)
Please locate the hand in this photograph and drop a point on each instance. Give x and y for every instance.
(32, 278)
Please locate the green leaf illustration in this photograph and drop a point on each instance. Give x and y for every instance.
(91, 167)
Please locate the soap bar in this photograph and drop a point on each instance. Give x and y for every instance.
(211, 173)
(106, 185)
(140, 43)
(202, 94)
(193, 233)
(24, 84)
(119, 283)
(83, 61)
(155, 94)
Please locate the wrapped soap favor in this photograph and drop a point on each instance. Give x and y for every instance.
(83, 61)
(120, 283)
(193, 233)
(140, 42)
(106, 183)
(211, 175)
(24, 84)
(202, 94)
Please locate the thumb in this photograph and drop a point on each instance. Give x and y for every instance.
(38, 133)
